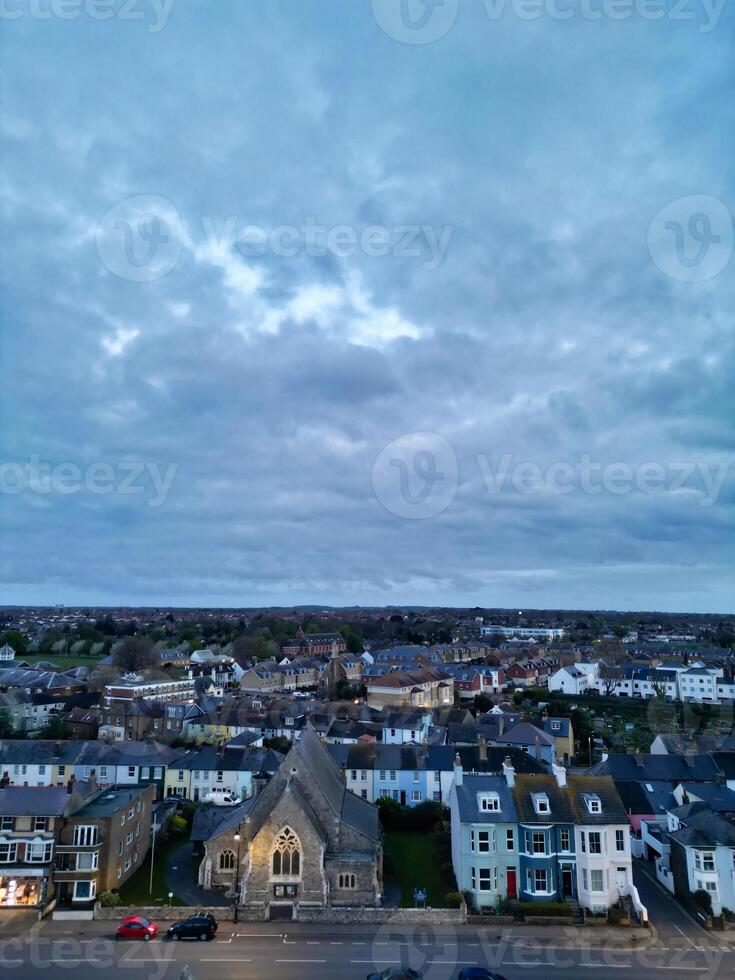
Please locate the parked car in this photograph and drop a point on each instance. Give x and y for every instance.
(137, 927)
(201, 926)
(396, 973)
(478, 973)
(221, 797)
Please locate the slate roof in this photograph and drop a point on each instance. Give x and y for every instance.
(524, 733)
(467, 802)
(639, 799)
(561, 732)
(580, 787)
(310, 771)
(33, 801)
(705, 829)
(718, 798)
(688, 768)
(559, 802)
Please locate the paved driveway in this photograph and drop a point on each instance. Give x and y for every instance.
(180, 879)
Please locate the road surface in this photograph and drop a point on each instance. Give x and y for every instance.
(87, 951)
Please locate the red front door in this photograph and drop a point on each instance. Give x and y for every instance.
(511, 882)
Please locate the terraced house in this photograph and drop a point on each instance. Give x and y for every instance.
(484, 835)
(226, 769)
(574, 839)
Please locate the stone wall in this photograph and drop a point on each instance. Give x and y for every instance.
(167, 913)
(373, 916)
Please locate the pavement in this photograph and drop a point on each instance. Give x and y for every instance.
(179, 880)
(279, 951)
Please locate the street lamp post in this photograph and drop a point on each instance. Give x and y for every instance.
(153, 851)
(237, 873)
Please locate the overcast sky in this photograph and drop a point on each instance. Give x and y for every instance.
(340, 302)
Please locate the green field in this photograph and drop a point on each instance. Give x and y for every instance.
(412, 863)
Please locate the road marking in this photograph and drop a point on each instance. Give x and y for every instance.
(693, 945)
(301, 961)
(607, 966)
(223, 959)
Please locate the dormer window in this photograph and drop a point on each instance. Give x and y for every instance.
(594, 804)
(541, 803)
(555, 726)
(489, 802)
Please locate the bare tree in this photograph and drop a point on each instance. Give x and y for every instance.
(610, 677)
(134, 653)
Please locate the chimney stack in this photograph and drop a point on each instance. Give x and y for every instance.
(537, 749)
(509, 772)
(482, 748)
(501, 724)
(458, 774)
(560, 775)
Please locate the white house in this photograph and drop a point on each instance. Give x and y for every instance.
(569, 680)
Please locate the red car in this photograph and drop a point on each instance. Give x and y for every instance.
(137, 927)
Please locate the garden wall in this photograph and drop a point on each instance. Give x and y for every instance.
(162, 913)
(368, 916)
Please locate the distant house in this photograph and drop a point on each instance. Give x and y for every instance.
(569, 680)
(425, 687)
(311, 644)
(562, 732)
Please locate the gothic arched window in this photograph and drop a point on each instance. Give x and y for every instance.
(286, 854)
(226, 861)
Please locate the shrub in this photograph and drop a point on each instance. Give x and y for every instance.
(703, 899)
(545, 908)
(178, 825)
(614, 915)
(453, 900)
(109, 900)
(469, 899)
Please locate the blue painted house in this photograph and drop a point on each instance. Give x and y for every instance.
(546, 858)
(484, 836)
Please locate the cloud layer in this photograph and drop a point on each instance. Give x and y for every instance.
(355, 240)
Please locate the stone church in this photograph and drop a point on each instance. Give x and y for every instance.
(303, 841)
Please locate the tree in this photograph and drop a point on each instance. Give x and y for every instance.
(134, 653)
(16, 640)
(6, 724)
(610, 677)
(56, 728)
(278, 743)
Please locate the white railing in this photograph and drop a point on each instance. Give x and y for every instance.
(640, 909)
